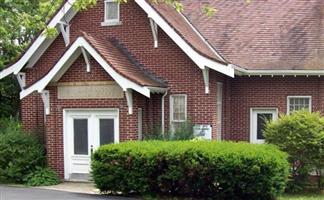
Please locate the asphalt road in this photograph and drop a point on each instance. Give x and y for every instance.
(18, 193)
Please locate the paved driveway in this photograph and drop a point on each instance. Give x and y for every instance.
(17, 193)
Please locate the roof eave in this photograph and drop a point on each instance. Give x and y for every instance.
(268, 72)
(17, 66)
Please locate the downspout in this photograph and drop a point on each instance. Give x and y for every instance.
(162, 111)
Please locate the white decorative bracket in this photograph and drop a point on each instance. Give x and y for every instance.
(86, 59)
(46, 100)
(21, 77)
(154, 28)
(129, 98)
(65, 30)
(206, 79)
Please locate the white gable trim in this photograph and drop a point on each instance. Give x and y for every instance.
(123, 82)
(203, 39)
(15, 68)
(198, 59)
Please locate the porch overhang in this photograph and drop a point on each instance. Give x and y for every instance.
(69, 57)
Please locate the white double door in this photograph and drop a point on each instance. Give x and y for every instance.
(84, 132)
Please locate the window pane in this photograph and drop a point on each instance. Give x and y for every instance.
(262, 118)
(179, 107)
(107, 131)
(112, 10)
(299, 104)
(80, 136)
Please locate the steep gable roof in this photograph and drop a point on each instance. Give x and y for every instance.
(122, 61)
(109, 55)
(264, 35)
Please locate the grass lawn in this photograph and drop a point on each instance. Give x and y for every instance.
(302, 197)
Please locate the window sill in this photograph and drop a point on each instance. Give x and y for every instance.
(111, 23)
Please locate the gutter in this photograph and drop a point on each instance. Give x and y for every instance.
(239, 71)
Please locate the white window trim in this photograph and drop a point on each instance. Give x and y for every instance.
(171, 108)
(111, 22)
(290, 97)
(273, 110)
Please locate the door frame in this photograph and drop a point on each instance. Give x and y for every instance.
(66, 137)
(272, 110)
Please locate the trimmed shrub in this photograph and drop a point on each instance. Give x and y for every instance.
(20, 154)
(301, 135)
(191, 168)
(42, 177)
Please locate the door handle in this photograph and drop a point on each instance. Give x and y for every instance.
(91, 149)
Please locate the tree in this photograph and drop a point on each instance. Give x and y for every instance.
(301, 135)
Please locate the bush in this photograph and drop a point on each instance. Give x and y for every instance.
(42, 177)
(301, 135)
(191, 168)
(9, 125)
(20, 154)
(183, 132)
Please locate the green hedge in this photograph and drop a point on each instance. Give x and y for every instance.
(191, 168)
(20, 154)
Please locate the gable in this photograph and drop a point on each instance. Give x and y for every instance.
(200, 60)
(78, 72)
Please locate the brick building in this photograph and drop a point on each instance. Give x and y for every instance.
(114, 72)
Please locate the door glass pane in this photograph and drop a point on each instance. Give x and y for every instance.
(262, 118)
(80, 136)
(107, 131)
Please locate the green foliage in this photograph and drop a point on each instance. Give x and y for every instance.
(191, 168)
(9, 96)
(20, 154)
(183, 132)
(42, 177)
(301, 135)
(9, 125)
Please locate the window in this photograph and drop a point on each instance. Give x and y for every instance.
(106, 131)
(112, 12)
(295, 103)
(178, 110)
(80, 136)
(219, 104)
(259, 118)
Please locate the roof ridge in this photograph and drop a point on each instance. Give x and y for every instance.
(125, 51)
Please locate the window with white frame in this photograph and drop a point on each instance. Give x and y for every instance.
(178, 110)
(112, 13)
(295, 103)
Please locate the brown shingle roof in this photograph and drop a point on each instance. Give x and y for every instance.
(120, 59)
(264, 34)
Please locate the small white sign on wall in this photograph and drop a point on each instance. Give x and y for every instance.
(203, 131)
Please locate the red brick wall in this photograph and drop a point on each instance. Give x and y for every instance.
(77, 72)
(246, 93)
